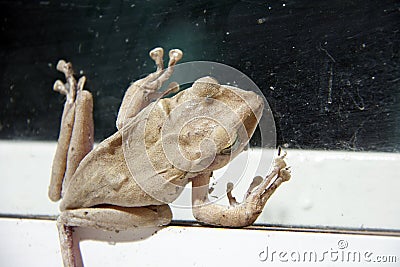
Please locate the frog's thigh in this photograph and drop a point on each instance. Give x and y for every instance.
(117, 218)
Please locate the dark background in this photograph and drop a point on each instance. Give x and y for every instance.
(329, 69)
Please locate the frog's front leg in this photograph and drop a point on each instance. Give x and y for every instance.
(141, 92)
(237, 214)
(106, 217)
(76, 132)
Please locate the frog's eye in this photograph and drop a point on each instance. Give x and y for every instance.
(232, 147)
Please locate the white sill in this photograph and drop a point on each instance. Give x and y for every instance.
(35, 243)
(335, 190)
(327, 189)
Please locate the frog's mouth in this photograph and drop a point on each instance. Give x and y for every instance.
(234, 146)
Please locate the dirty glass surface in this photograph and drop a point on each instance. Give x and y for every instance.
(328, 69)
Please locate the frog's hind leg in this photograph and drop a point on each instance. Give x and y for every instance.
(67, 123)
(106, 217)
(76, 131)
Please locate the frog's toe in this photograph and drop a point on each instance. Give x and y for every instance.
(60, 87)
(156, 53)
(174, 56)
(285, 174)
(65, 67)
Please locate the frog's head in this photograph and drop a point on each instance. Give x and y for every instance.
(212, 123)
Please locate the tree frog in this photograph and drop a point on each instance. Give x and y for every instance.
(160, 146)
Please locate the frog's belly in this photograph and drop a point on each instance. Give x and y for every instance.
(121, 190)
(104, 178)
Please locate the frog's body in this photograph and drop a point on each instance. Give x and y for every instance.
(129, 178)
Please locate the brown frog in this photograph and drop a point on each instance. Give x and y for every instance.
(128, 179)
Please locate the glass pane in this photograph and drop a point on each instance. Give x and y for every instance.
(328, 69)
